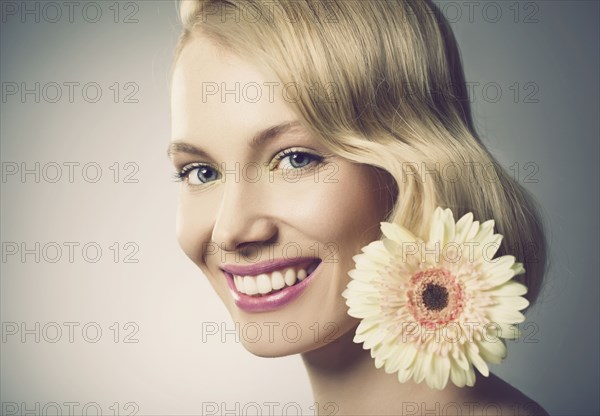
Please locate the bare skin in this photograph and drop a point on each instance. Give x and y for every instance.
(231, 215)
(340, 371)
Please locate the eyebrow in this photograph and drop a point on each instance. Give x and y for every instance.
(257, 140)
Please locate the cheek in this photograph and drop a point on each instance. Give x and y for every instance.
(336, 209)
(195, 219)
(346, 209)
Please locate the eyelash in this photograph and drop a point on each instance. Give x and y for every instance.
(183, 174)
(289, 152)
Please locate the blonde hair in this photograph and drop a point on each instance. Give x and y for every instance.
(399, 103)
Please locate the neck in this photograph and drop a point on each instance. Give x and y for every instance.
(345, 381)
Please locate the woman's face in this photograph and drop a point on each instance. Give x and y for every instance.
(266, 212)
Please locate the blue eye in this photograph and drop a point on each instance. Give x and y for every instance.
(198, 174)
(296, 159)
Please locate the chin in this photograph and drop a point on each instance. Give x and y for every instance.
(273, 350)
(281, 346)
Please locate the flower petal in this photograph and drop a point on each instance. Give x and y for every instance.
(405, 374)
(492, 351)
(361, 311)
(458, 375)
(377, 250)
(362, 287)
(475, 358)
(461, 359)
(507, 331)
(407, 357)
(486, 230)
(470, 377)
(397, 233)
(500, 313)
(509, 289)
(402, 359)
(515, 302)
(440, 371)
(449, 226)
(472, 232)
(374, 338)
(499, 277)
(365, 262)
(422, 366)
(367, 325)
(362, 275)
(383, 290)
(499, 270)
(488, 249)
(436, 230)
(462, 227)
(391, 246)
(518, 268)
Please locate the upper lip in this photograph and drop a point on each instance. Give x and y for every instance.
(266, 266)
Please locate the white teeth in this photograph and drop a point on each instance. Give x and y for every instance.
(239, 283)
(263, 282)
(277, 280)
(290, 277)
(250, 286)
(270, 282)
(302, 274)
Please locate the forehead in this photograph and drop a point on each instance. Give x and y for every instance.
(215, 91)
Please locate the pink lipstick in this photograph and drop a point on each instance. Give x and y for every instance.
(270, 285)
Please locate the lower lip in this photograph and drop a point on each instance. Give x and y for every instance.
(271, 301)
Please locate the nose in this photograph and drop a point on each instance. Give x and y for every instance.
(244, 217)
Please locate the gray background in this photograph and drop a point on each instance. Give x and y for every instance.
(176, 367)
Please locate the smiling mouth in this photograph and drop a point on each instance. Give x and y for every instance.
(268, 283)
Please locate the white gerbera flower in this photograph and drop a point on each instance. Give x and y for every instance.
(433, 310)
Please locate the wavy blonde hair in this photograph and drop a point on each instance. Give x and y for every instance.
(395, 98)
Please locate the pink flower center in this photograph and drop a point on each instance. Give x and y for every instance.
(435, 297)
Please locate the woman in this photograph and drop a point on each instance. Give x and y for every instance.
(299, 127)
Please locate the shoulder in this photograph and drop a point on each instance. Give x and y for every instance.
(496, 396)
